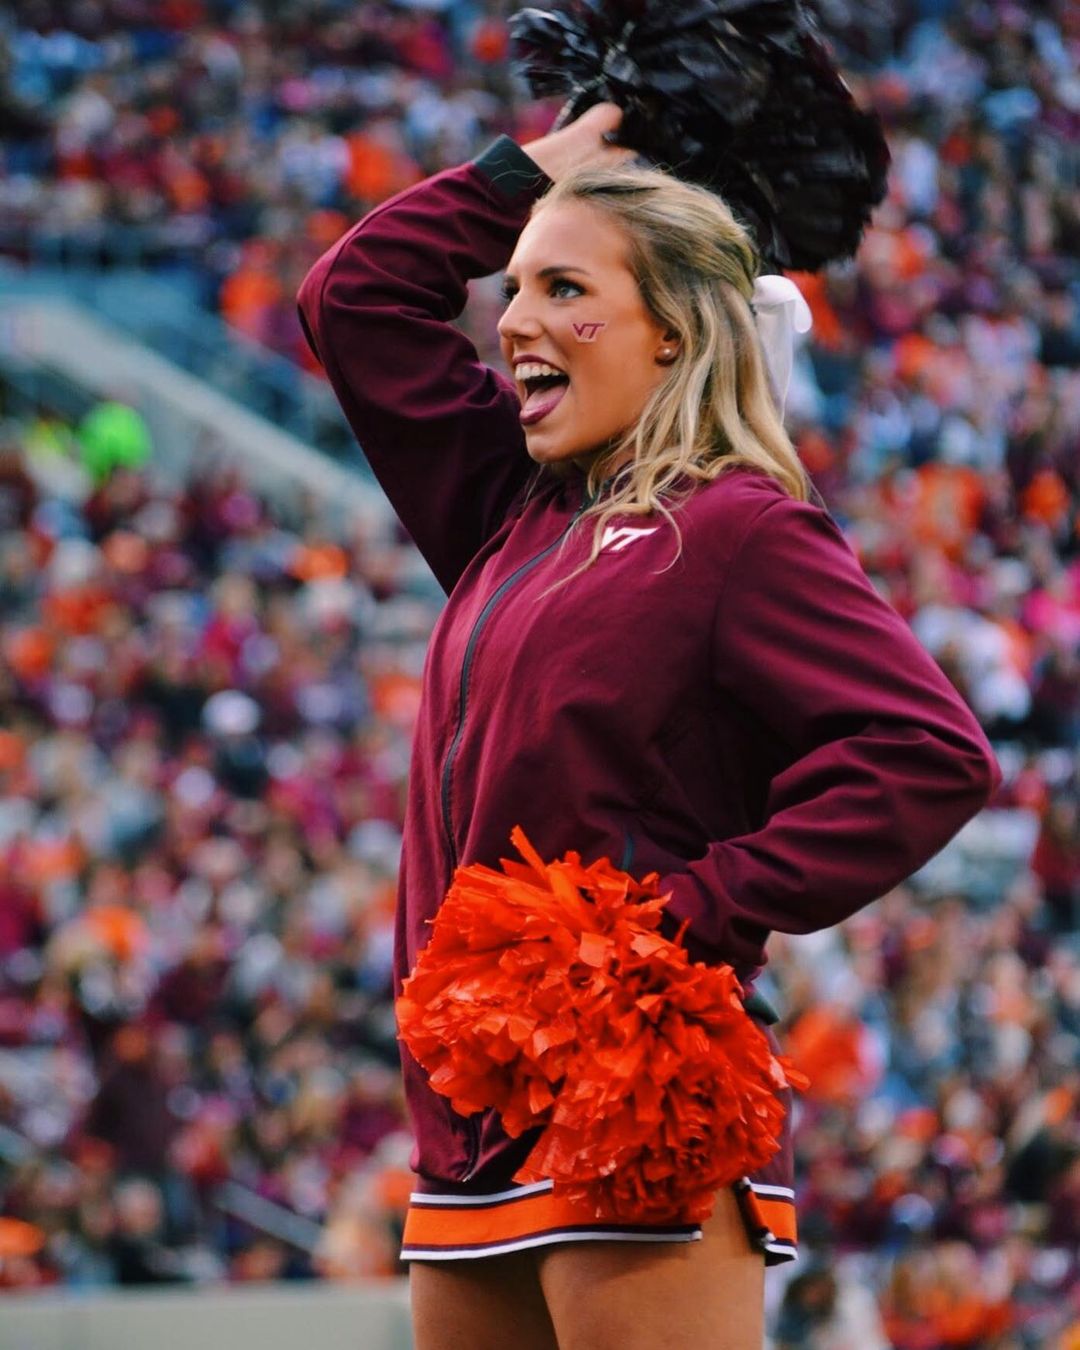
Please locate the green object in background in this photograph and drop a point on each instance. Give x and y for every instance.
(113, 435)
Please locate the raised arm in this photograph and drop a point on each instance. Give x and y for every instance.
(887, 760)
(439, 427)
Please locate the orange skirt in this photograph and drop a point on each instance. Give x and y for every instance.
(442, 1226)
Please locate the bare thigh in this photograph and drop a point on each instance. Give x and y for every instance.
(491, 1303)
(706, 1295)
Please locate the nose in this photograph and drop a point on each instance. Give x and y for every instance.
(518, 320)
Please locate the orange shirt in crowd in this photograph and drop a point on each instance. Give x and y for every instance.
(29, 652)
(913, 354)
(1046, 498)
(490, 42)
(248, 295)
(946, 1318)
(375, 171)
(395, 698)
(319, 561)
(120, 930)
(948, 500)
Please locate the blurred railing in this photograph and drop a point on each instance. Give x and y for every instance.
(26, 390)
(266, 1216)
(65, 357)
(164, 317)
(100, 244)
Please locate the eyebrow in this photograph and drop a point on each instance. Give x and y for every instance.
(550, 271)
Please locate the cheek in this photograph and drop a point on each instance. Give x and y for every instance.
(616, 365)
(592, 331)
(600, 324)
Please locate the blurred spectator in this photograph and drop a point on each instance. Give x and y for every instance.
(821, 1313)
(130, 1108)
(942, 1298)
(138, 1253)
(1056, 861)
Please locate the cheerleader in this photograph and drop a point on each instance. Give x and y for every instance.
(657, 649)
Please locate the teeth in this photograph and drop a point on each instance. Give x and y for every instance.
(532, 370)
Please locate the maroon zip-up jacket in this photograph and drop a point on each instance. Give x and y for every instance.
(754, 722)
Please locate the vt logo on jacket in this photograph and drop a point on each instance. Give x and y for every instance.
(617, 537)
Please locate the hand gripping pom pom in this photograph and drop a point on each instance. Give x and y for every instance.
(738, 95)
(547, 992)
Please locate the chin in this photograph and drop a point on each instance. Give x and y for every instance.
(550, 454)
(554, 454)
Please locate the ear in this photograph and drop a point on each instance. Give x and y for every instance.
(668, 348)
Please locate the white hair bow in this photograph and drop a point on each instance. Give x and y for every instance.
(779, 313)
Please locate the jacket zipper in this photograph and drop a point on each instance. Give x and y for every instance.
(466, 668)
(473, 1122)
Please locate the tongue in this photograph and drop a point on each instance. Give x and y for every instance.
(546, 394)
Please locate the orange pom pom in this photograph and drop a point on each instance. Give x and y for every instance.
(547, 992)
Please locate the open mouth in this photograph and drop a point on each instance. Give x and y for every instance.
(543, 393)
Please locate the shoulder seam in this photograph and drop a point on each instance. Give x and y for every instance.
(737, 551)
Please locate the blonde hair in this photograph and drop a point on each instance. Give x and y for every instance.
(695, 266)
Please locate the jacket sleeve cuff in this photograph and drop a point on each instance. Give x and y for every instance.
(510, 169)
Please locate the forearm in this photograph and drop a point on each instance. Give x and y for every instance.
(886, 762)
(489, 198)
(421, 247)
(439, 427)
(844, 826)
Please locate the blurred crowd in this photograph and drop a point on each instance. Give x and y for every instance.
(206, 698)
(206, 710)
(238, 139)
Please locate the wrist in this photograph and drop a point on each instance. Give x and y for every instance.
(511, 169)
(552, 154)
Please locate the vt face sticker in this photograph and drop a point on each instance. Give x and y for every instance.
(587, 332)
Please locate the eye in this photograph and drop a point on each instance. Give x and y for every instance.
(508, 290)
(558, 283)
